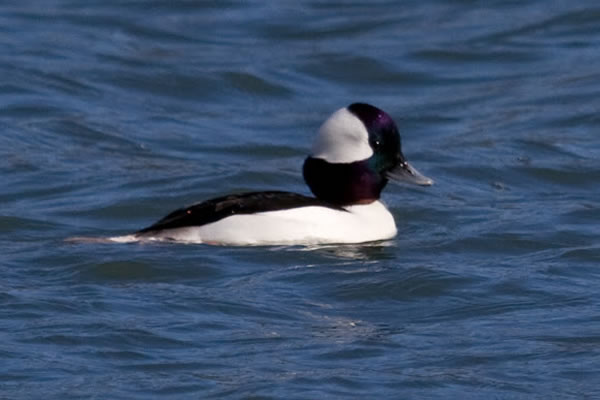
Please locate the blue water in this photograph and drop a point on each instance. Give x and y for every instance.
(114, 113)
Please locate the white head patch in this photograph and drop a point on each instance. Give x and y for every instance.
(342, 138)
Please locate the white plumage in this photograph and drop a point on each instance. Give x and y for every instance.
(304, 225)
(342, 138)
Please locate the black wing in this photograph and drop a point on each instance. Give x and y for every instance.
(245, 203)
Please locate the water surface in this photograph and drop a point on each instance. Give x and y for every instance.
(114, 113)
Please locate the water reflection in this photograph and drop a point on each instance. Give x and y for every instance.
(373, 251)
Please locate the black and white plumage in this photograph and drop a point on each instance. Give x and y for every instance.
(234, 204)
(356, 152)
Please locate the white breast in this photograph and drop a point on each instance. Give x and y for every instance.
(305, 225)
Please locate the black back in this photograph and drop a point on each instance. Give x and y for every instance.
(245, 203)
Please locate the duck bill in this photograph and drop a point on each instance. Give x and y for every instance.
(407, 173)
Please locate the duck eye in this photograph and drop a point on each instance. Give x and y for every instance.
(377, 144)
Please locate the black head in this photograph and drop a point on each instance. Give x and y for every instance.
(384, 138)
(364, 131)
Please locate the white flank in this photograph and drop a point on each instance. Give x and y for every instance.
(305, 225)
(343, 138)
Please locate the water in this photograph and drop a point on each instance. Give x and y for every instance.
(114, 113)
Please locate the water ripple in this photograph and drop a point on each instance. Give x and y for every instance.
(115, 113)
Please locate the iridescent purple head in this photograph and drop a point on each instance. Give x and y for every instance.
(357, 150)
(383, 136)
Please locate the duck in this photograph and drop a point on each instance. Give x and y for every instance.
(356, 152)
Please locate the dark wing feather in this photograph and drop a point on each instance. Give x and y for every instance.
(245, 203)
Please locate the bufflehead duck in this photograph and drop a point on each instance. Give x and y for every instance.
(356, 151)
